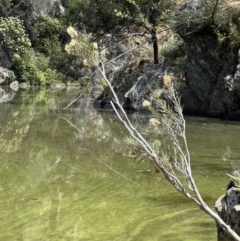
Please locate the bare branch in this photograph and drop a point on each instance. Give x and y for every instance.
(184, 164)
(173, 121)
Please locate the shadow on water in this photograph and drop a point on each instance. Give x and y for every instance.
(66, 174)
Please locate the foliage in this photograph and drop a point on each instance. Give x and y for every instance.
(13, 35)
(127, 16)
(118, 15)
(232, 13)
(219, 16)
(139, 16)
(49, 31)
(5, 3)
(82, 46)
(174, 47)
(235, 178)
(33, 67)
(49, 27)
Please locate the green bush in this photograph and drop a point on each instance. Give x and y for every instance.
(13, 35)
(34, 68)
(49, 27)
(6, 3)
(49, 31)
(173, 48)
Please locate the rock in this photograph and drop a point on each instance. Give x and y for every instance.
(58, 85)
(237, 76)
(139, 91)
(4, 59)
(57, 8)
(208, 73)
(228, 208)
(153, 80)
(52, 7)
(25, 85)
(6, 76)
(190, 102)
(14, 85)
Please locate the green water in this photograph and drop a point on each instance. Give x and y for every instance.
(65, 174)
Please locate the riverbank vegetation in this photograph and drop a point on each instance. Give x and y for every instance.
(34, 36)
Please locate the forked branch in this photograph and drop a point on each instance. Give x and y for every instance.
(176, 128)
(172, 120)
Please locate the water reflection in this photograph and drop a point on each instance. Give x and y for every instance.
(63, 175)
(6, 94)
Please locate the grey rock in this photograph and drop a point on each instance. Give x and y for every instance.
(58, 85)
(14, 85)
(25, 85)
(53, 7)
(228, 208)
(6, 76)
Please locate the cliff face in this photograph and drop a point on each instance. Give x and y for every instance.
(211, 83)
(211, 68)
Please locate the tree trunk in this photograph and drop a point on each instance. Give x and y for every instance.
(155, 47)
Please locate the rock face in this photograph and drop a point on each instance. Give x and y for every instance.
(4, 59)
(152, 80)
(210, 66)
(228, 209)
(212, 69)
(237, 76)
(53, 7)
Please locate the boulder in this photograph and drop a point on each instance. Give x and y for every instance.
(140, 91)
(228, 208)
(6, 76)
(155, 79)
(52, 7)
(14, 85)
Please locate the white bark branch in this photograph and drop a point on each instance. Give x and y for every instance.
(185, 158)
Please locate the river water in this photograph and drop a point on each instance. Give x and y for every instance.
(65, 174)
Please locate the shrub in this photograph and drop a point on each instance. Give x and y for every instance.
(49, 30)
(13, 36)
(173, 48)
(6, 3)
(34, 68)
